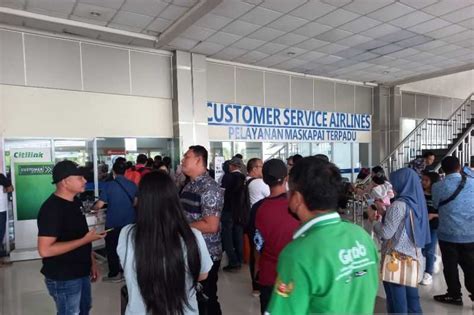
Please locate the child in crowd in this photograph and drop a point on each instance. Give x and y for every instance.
(381, 192)
(427, 180)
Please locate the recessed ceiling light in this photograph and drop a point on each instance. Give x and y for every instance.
(96, 14)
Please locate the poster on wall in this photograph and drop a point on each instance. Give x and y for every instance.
(253, 123)
(32, 186)
(219, 171)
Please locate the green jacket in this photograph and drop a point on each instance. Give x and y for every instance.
(331, 266)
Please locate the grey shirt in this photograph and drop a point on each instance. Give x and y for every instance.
(135, 301)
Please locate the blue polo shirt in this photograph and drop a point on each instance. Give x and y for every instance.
(120, 210)
(456, 218)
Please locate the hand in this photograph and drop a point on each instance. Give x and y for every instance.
(431, 216)
(94, 271)
(93, 236)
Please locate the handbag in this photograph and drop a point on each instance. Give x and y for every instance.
(123, 289)
(399, 268)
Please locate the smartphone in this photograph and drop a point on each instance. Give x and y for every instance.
(107, 231)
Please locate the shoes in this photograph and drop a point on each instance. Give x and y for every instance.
(115, 279)
(427, 279)
(448, 299)
(230, 268)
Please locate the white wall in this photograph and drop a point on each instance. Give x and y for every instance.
(253, 86)
(457, 85)
(40, 112)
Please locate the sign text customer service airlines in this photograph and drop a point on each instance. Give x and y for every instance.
(254, 123)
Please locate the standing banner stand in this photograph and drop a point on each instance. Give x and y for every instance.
(31, 177)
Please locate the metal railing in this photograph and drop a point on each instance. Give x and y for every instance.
(463, 149)
(430, 134)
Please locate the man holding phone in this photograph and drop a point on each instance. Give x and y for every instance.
(120, 197)
(64, 242)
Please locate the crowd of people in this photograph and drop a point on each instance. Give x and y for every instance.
(166, 232)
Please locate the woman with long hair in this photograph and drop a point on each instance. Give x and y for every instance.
(162, 257)
(400, 236)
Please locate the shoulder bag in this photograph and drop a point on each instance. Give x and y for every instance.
(399, 268)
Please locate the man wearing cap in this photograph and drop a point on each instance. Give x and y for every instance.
(232, 229)
(64, 242)
(331, 266)
(274, 227)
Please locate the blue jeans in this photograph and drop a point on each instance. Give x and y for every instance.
(232, 239)
(72, 297)
(430, 252)
(402, 299)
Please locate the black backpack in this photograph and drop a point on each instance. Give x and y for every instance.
(241, 201)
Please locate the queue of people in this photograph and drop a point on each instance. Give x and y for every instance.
(167, 240)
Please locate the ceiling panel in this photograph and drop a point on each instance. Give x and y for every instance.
(145, 7)
(266, 33)
(312, 29)
(240, 28)
(213, 22)
(338, 17)
(360, 24)
(287, 23)
(232, 9)
(260, 16)
(132, 19)
(313, 10)
(283, 6)
(333, 35)
(224, 38)
(348, 39)
(446, 6)
(391, 12)
(366, 6)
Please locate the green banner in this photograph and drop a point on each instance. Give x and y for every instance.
(32, 186)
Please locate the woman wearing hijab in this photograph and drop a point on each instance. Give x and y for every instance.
(396, 232)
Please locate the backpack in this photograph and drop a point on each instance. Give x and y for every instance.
(135, 174)
(241, 201)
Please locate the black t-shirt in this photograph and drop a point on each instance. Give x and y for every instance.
(429, 203)
(5, 182)
(64, 219)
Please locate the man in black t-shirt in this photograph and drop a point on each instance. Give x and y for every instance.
(64, 242)
(5, 188)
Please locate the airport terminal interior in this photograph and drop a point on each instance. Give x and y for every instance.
(363, 83)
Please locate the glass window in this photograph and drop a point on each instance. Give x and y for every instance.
(275, 150)
(322, 148)
(248, 150)
(342, 158)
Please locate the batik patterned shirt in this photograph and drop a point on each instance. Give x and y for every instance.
(202, 197)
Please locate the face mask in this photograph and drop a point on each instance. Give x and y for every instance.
(293, 214)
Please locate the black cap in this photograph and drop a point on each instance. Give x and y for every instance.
(274, 172)
(236, 161)
(65, 169)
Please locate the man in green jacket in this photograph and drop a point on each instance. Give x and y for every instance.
(331, 266)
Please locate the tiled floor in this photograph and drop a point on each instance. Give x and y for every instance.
(22, 292)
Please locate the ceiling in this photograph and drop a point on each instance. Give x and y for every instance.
(363, 40)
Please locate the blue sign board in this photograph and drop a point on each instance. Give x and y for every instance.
(254, 123)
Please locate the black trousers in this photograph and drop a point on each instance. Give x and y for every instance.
(455, 254)
(265, 295)
(111, 242)
(255, 285)
(212, 306)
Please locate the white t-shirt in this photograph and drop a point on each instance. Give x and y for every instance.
(135, 304)
(3, 200)
(257, 190)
